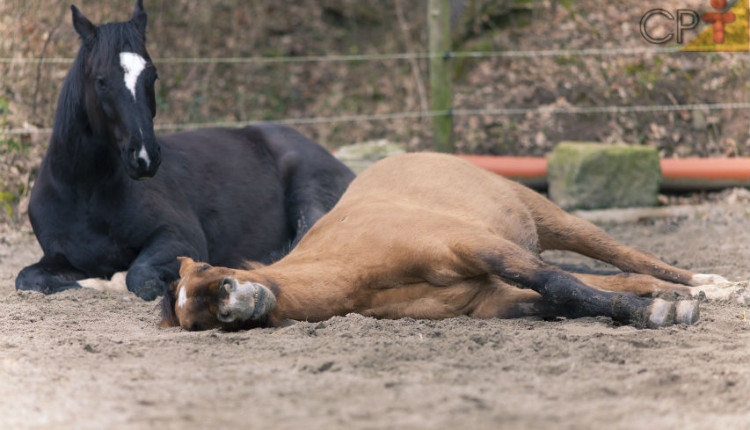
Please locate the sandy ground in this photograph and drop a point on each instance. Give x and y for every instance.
(91, 360)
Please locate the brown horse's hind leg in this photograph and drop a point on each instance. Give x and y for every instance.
(558, 229)
(514, 264)
(503, 300)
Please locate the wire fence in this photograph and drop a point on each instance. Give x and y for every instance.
(431, 114)
(377, 57)
(572, 110)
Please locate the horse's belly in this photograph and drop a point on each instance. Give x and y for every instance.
(425, 300)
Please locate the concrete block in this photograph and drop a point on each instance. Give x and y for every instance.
(597, 176)
(360, 156)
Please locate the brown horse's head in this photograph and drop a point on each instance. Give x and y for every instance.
(207, 297)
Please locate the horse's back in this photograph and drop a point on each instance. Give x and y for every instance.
(444, 184)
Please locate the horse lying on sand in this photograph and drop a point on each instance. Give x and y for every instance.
(432, 236)
(219, 195)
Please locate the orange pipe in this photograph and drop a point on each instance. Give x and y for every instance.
(511, 167)
(693, 168)
(690, 173)
(706, 168)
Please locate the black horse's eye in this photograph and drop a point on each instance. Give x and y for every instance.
(100, 83)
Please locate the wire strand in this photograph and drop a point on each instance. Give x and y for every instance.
(377, 57)
(572, 110)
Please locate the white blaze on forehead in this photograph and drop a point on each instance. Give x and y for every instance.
(133, 64)
(182, 297)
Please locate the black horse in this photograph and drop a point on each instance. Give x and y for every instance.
(220, 195)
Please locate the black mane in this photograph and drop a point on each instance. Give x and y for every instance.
(71, 105)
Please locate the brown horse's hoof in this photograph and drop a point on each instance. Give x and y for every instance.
(687, 312)
(661, 313)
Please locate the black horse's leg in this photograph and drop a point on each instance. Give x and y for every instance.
(156, 267)
(49, 276)
(148, 281)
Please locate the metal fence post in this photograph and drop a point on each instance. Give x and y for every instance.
(441, 93)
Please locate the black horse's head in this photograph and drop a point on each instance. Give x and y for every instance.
(119, 88)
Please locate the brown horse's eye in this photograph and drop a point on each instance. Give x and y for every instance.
(204, 268)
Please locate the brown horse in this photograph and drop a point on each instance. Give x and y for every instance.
(432, 236)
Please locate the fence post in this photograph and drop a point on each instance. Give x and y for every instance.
(441, 93)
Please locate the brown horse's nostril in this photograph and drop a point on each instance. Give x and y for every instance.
(229, 285)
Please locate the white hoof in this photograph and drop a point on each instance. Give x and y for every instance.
(661, 313)
(738, 292)
(708, 279)
(687, 312)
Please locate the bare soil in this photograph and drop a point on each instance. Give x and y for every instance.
(91, 360)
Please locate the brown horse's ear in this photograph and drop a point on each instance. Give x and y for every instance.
(168, 316)
(185, 264)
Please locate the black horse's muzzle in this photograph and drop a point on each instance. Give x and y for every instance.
(142, 159)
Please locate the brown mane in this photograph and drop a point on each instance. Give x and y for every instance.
(168, 316)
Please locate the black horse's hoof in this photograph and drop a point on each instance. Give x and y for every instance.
(147, 290)
(30, 281)
(46, 289)
(31, 287)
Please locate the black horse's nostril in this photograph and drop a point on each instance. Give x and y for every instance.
(133, 154)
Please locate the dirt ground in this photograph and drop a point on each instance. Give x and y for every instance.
(91, 360)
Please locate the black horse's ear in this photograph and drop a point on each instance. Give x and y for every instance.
(83, 26)
(139, 17)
